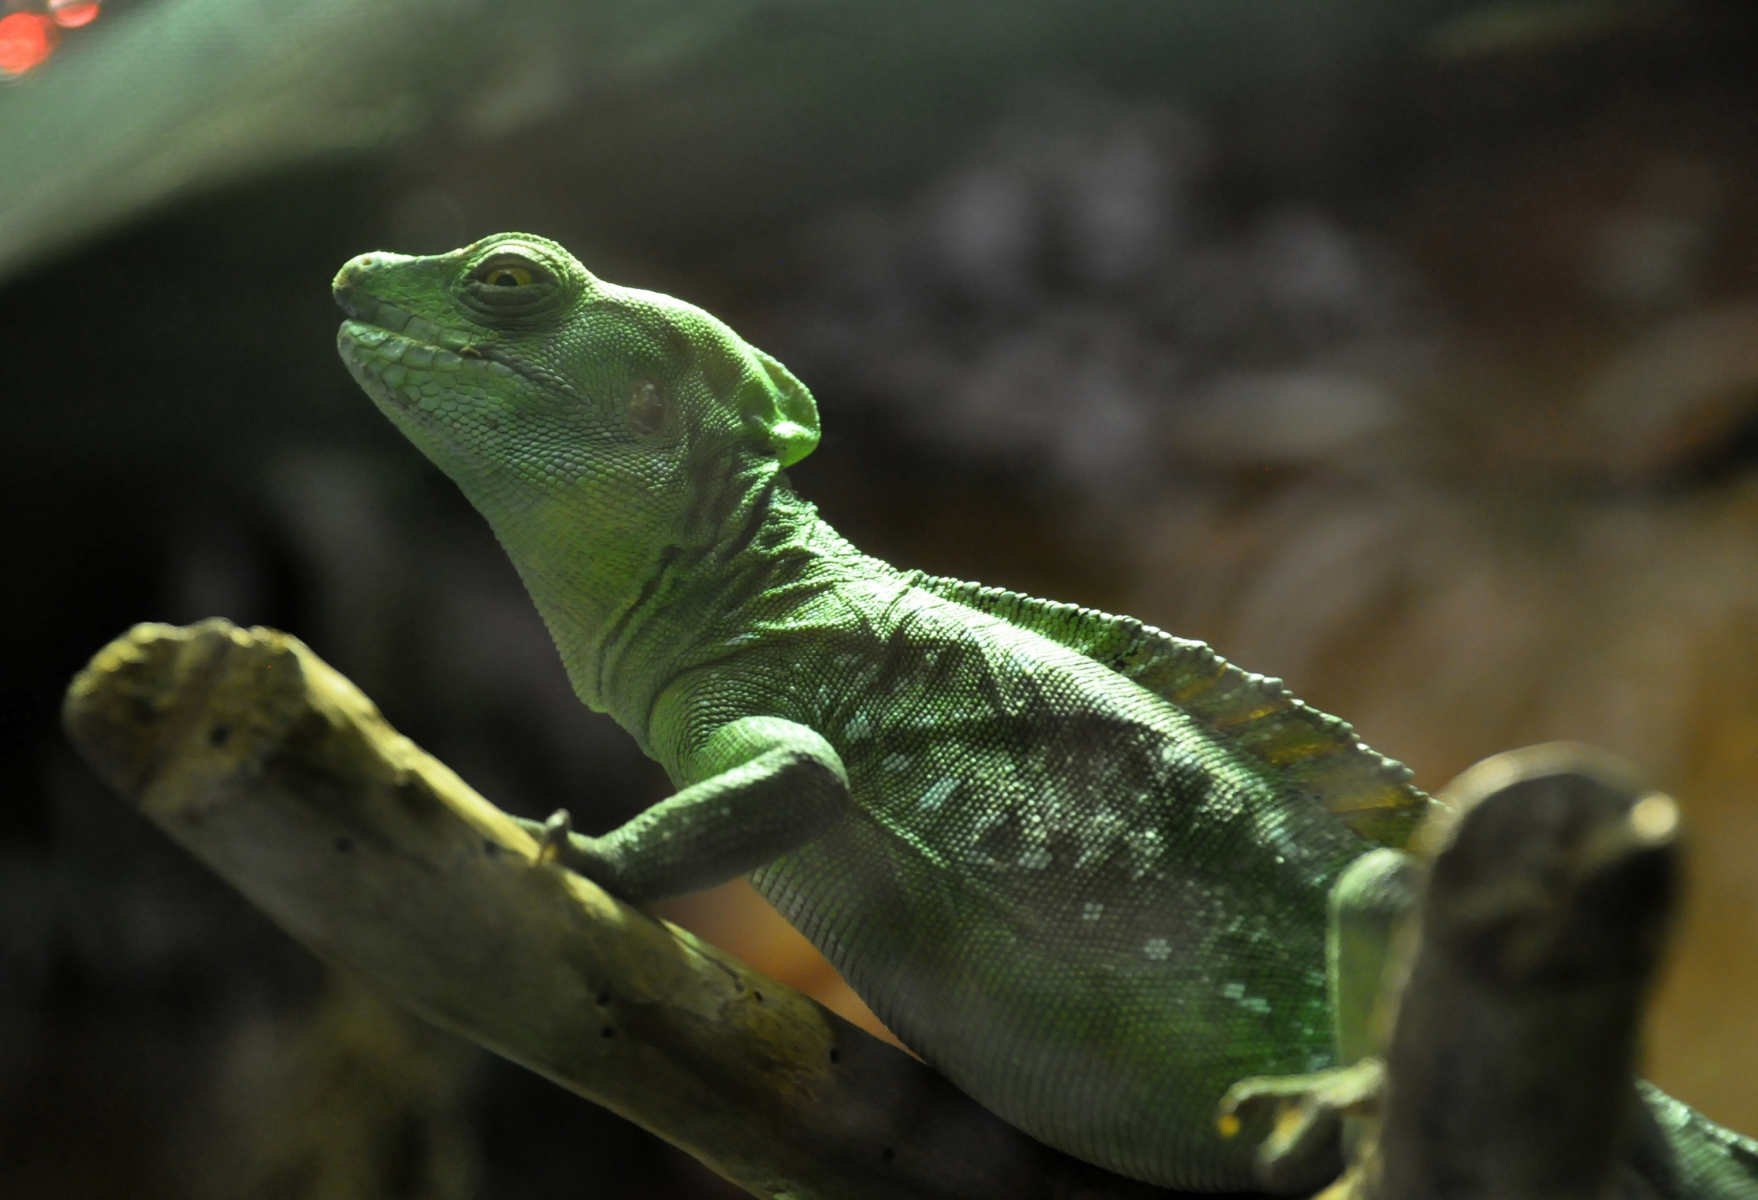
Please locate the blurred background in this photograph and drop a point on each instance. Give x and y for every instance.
(1407, 349)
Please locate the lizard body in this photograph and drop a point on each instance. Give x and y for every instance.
(1079, 865)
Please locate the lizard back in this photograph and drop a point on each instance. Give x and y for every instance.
(1093, 901)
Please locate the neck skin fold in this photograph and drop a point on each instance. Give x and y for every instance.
(746, 551)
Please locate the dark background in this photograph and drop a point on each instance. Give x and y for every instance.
(1407, 350)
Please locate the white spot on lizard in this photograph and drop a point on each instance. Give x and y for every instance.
(1236, 993)
(1159, 949)
(1092, 910)
(936, 795)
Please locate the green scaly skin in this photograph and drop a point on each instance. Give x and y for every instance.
(1078, 865)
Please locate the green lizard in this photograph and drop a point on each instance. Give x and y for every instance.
(1079, 865)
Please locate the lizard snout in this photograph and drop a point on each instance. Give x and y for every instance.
(347, 287)
(361, 278)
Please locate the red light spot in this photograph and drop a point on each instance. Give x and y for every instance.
(71, 14)
(26, 39)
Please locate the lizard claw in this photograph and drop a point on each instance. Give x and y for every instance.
(1303, 1147)
(557, 834)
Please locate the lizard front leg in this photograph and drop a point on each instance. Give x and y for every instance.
(764, 786)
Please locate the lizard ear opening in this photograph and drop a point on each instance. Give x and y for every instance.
(784, 410)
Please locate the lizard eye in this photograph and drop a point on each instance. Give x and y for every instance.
(509, 271)
(511, 284)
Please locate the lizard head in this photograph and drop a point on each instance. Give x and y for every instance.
(557, 401)
(520, 373)
(509, 356)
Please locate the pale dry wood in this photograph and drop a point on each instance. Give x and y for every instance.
(1518, 982)
(282, 777)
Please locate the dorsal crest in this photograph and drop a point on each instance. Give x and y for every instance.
(1314, 751)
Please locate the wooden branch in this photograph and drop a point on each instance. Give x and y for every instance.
(1512, 1065)
(1510, 1073)
(281, 776)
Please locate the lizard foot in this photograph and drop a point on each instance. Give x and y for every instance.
(557, 833)
(554, 836)
(558, 843)
(1304, 1148)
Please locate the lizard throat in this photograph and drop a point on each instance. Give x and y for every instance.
(770, 552)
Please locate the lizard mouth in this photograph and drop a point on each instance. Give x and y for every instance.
(366, 309)
(410, 362)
